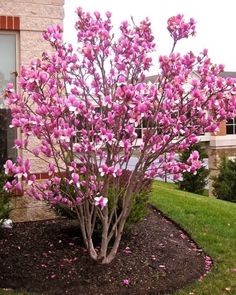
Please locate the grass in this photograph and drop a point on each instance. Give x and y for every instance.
(212, 224)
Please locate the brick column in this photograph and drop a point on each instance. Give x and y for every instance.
(222, 130)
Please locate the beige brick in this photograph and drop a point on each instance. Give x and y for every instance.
(37, 165)
(45, 2)
(31, 40)
(35, 41)
(38, 24)
(222, 129)
(32, 10)
(27, 209)
(28, 55)
(35, 17)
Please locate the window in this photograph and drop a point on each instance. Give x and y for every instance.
(80, 126)
(231, 126)
(8, 66)
(144, 124)
(141, 127)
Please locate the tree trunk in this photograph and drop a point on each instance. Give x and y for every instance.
(116, 244)
(104, 243)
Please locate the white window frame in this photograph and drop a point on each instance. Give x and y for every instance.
(17, 56)
(17, 66)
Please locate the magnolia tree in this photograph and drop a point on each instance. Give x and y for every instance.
(85, 105)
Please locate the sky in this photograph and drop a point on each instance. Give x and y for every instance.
(216, 25)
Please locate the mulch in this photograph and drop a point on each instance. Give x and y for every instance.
(47, 257)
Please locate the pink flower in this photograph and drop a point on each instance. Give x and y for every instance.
(78, 200)
(103, 169)
(75, 179)
(179, 29)
(57, 180)
(51, 169)
(31, 179)
(8, 186)
(97, 14)
(101, 201)
(9, 167)
(19, 144)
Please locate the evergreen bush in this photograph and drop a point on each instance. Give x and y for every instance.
(224, 184)
(4, 200)
(139, 208)
(197, 182)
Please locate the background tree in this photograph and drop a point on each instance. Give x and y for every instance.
(194, 182)
(98, 95)
(224, 184)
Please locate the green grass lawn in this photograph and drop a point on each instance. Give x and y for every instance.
(212, 224)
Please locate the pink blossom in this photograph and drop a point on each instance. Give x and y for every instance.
(97, 14)
(104, 169)
(78, 200)
(75, 179)
(51, 169)
(8, 186)
(31, 179)
(20, 144)
(9, 167)
(179, 29)
(86, 105)
(101, 201)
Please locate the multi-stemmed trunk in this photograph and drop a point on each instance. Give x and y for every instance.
(111, 232)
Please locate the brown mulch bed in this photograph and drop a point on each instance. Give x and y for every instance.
(47, 257)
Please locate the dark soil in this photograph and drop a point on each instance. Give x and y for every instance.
(47, 257)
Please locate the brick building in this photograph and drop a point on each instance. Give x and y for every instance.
(22, 23)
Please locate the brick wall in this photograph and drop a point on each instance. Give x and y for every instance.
(222, 130)
(31, 18)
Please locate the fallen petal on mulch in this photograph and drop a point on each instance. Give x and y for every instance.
(125, 282)
(51, 259)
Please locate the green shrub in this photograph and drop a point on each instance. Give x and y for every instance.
(139, 209)
(194, 183)
(61, 209)
(140, 200)
(4, 200)
(4, 208)
(224, 184)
